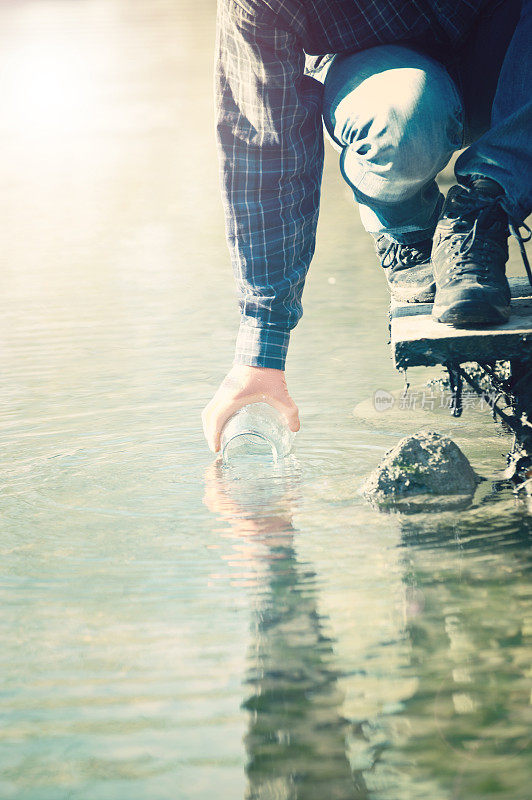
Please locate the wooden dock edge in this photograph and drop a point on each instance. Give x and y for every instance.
(418, 340)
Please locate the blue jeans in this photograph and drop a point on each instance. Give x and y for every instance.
(396, 115)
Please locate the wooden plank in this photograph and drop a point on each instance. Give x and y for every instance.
(417, 340)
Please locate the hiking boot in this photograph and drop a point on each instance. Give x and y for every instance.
(408, 269)
(469, 256)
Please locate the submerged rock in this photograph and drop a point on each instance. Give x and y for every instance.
(426, 463)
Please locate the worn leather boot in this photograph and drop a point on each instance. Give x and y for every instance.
(469, 256)
(408, 269)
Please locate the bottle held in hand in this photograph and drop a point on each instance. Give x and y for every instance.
(257, 431)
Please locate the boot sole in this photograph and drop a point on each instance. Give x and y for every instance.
(471, 314)
(423, 296)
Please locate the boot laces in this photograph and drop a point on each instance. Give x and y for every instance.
(513, 227)
(401, 255)
(462, 247)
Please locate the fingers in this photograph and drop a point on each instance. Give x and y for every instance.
(212, 426)
(216, 414)
(217, 426)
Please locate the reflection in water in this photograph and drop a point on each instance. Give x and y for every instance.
(124, 659)
(460, 728)
(296, 742)
(469, 621)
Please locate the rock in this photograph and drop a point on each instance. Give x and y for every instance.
(425, 463)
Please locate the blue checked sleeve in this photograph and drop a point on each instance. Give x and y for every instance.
(270, 142)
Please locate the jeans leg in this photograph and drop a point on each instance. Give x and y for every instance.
(396, 117)
(504, 152)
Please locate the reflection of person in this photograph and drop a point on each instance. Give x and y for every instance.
(434, 667)
(296, 740)
(404, 86)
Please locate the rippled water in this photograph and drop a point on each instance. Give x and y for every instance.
(171, 630)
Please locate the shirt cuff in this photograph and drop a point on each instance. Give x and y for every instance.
(261, 347)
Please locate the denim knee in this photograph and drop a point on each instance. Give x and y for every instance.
(396, 117)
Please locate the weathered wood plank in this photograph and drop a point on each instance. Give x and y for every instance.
(417, 340)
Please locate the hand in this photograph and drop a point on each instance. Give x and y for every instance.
(243, 385)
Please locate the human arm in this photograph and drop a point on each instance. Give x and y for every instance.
(269, 134)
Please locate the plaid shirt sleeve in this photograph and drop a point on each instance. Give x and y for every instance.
(269, 134)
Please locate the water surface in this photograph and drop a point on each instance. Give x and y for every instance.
(171, 630)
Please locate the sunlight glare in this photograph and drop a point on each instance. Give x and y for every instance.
(47, 88)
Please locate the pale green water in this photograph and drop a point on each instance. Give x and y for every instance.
(169, 632)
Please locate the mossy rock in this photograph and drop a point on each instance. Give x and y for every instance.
(426, 463)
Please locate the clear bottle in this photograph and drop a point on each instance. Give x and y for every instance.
(258, 430)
